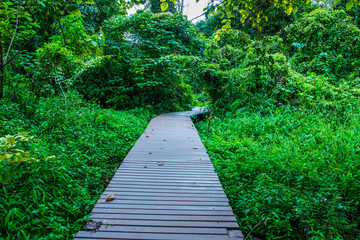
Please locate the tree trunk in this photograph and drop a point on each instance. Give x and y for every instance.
(2, 68)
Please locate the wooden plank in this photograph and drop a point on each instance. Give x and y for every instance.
(166, 202)
(167, 198)
(164, 212)
(163, 217)
(148, 236)
(161, 169)
(176, 230)
(165, 183)
(156, 223)
(167, 172)
(158, 190)
(171, 187)
(168, 177)
(168, 207)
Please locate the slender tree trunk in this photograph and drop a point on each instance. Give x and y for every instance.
(2, 68)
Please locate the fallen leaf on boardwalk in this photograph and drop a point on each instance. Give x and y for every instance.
(160, 163)
(145, 166)
(147, 136)
(195, 148)
(110, 197)
(92, 226)
(150, 152)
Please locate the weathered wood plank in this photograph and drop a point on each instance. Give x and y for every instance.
(163, 217)
(164, 212)
(177, 230)
(168, 198)
(166, 202)
(169, 207)
(148, 236)
(211, 224)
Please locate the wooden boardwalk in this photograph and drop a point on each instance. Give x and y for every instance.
(166, 188)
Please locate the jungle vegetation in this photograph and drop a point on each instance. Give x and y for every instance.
(80, 80)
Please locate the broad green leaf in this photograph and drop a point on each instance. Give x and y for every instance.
(173, 1)
(89, 1)
(164, 6)
(349, 5)
(337, 1)
(78, 2)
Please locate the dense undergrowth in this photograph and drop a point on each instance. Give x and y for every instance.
(289, 174)
(285, 136)
(283, 133)
(75, 151)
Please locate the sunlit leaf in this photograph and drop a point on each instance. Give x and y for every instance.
(349, 5)
(289, 10)
(164, 6)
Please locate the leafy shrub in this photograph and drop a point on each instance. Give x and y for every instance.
(327, 43)
(289, 174)
(50, 199)
(59, 59)
(141, 66)
(242, 72)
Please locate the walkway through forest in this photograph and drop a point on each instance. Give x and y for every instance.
(166, 188)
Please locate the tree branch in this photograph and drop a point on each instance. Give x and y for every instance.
(62, 30)
(7, 62)
(197, 17)
(16, 27)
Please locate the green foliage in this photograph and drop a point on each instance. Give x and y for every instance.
(289, 174)
(143, 63)
(95, 14)
(276, 20)
(156, 35)
(327, 43)
(354, 12)
(50, 199)
(12, 157)
(59, 59)
(242, 72)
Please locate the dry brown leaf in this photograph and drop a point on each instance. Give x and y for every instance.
(160, 163)
(110, 197)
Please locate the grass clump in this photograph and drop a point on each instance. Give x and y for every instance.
(76, 149)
